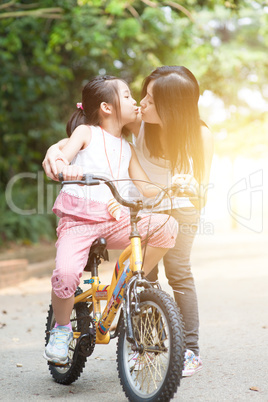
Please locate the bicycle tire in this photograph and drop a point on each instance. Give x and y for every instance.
(69, 374)
(152, 376)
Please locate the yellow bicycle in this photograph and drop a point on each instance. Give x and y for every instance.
(150, 331)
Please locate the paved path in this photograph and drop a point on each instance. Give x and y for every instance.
(232, 283)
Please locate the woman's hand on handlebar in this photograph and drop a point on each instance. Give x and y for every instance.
(49, 163)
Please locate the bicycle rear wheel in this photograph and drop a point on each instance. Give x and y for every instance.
(154, 373)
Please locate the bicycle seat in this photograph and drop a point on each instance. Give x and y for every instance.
(97, 250)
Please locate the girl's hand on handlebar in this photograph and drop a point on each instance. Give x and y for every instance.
(72, 172)
(186, 183)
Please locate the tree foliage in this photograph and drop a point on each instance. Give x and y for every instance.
(48, 52)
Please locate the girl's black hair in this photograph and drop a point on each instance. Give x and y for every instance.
(100, 89)
(175, 95)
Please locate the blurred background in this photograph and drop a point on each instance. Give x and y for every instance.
(49, 49)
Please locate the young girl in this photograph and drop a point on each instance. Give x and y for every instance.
(96, 146)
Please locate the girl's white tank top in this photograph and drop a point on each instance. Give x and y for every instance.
(159, 172)
(95, 159)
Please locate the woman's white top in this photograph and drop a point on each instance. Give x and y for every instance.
(93, 160)
(159, 172)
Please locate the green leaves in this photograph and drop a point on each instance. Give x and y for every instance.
(116, 7)
(128, 28)
(47, 53)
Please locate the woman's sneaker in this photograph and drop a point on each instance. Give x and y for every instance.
(192, 364)
(57, 348)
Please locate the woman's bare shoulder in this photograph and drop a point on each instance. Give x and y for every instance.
(206, 134)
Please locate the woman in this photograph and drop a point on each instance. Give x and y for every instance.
(173, 143)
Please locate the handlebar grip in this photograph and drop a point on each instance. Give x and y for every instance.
(60, 177)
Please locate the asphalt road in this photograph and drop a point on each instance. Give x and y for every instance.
(232, 284)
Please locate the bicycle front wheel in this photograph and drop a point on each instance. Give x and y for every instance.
(154, 373)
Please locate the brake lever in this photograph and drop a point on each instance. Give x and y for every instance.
(179, 192)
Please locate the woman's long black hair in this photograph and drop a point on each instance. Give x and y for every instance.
(176, 94)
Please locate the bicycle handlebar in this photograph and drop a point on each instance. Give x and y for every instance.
(90, 180)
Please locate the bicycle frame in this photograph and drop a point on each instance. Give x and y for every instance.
(129, 263)
(150, 347)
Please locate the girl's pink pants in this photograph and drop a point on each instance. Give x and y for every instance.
(76, 235)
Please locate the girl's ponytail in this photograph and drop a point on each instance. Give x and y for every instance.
(77, 118)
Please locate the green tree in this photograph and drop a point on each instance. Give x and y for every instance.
(48, 52)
